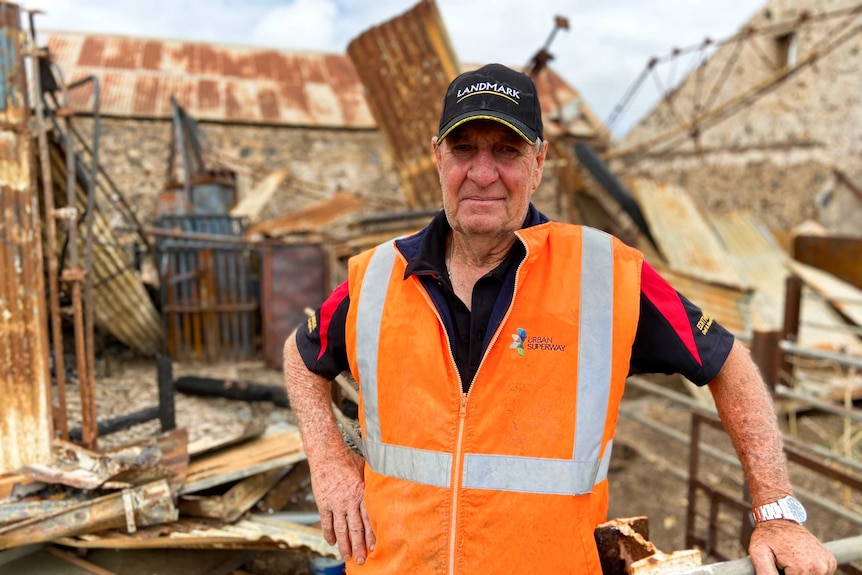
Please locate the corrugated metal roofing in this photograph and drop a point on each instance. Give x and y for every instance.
(247, 84)
(683, 235)
(406, 63)
(212, 82)
(763, 264)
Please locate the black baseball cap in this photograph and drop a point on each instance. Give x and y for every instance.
(493, 92)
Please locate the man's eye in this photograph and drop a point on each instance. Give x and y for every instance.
(462, 149)
(508, 152)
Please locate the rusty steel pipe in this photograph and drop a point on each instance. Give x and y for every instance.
(59, 412)
(83, 307)
(88, 258)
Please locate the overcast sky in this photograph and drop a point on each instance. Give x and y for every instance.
(607, 46)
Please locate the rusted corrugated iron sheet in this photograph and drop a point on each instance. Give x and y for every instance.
(762, 264)
(842, 295)
(313, 218)
(212, 82)
(406, 65)
(25, 422)
(683, 235)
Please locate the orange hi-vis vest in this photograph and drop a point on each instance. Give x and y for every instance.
(511, 476)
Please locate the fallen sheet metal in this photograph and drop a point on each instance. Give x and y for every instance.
(845, 297)
(277, 449)
(312, 219)
(155, 458)
(759, 260)
(150, 504)
(231, 505)
(121, 304)
(684, 237)
(762, 264)
(257, 532)
(406, 64)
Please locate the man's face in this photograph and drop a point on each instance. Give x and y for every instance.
(488, 174)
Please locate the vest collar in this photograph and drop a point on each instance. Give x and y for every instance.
(425, 251)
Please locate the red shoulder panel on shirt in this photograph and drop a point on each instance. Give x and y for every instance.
(666, 300)
(326, 310)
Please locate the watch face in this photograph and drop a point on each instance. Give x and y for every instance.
(797, 511)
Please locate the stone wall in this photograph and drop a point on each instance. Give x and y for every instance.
(773, 152)
(321, 161)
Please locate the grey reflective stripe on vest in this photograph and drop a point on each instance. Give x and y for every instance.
(369, 316)
(595, 341)
(482, 471)
(595, 344)
(418, 465)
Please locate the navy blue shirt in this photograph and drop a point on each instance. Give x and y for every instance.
(667, 340)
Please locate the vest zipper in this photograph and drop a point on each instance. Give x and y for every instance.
(456, 455)
(462, 410)
(456, 482)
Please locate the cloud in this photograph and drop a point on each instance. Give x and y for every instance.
(303, 24)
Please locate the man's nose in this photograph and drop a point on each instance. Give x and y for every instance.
(483, 170)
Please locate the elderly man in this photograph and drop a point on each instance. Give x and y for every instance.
(492, 349)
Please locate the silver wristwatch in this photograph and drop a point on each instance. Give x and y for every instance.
(785, 508)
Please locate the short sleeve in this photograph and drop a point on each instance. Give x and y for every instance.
(676, 336)
(321, 339)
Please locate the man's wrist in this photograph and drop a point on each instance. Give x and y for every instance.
(788, 508)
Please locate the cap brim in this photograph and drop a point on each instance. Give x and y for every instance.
(516, 126)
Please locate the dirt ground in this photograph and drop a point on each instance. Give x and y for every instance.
(647, 473)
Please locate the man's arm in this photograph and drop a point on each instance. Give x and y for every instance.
(336, 471)
(748, 415)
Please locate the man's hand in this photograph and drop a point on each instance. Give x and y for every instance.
(782, 544)
(339, 486)
(337, 474)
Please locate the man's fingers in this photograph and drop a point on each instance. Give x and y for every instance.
(763, 560)
(341, 533)
(356, 528)
(370, 537)
(326, 527)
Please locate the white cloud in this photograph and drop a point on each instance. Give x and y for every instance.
(304, 24)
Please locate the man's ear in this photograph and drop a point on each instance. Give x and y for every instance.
(540, 165)
(436, 147)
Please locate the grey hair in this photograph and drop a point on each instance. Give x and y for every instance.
(537, 147)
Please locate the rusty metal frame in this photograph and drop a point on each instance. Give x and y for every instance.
(719, 499)
(209, 310)
(59, 411)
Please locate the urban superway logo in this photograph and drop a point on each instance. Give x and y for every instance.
(544, 344)
(522, 343)
(489, 88)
